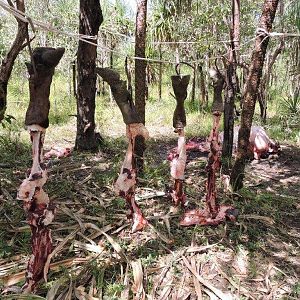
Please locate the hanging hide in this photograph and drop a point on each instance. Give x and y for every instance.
(213, 214)
(37, 205)
(126, 182)
(178, 161)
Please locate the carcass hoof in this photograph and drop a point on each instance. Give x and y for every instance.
(138, 223)
(203, 217)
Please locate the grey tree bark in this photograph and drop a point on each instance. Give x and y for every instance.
(251, 90)
(90, 19)
(140, 77)
(8, 62)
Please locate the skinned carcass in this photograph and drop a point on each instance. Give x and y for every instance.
(178, 160)
(213, 213)
(260, 144)
(126, 182)
(37, 205)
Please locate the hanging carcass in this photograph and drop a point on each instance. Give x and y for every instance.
(37, 205)
(213, 213)
(126, 182)
(178, 159)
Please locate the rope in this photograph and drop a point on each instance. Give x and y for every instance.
(88, 39)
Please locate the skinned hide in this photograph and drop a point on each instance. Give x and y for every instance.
(37, 205)
(126, 182)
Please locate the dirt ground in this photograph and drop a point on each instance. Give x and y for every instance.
(97, 256)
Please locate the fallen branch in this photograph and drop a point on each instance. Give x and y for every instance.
(206, 283)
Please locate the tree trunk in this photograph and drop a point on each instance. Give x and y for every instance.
(160, 74)
(8, 62)
(90, 19)
(251, 90)
(193, 93)
(140, 77)
(264, 85)
(204, 95)
(231, 87)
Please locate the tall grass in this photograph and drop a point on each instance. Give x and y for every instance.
(281, 125)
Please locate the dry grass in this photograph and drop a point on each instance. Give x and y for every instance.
(96, 255)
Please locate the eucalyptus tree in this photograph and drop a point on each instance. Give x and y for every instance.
(10, 57)
(232, 85)
(251, 89)
(90, 19)
(140, 75)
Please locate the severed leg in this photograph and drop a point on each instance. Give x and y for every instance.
(178, 163)
(40, 212)
(126, 182)
(213, 214)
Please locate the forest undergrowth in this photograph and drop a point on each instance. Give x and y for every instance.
(96, 255)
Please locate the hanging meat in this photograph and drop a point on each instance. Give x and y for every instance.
(126, 182)
(37, 205)
(214, 213)
(178, 159)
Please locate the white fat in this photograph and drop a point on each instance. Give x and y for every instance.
(178, 163)
(42, 197)
(49, 217)
(35, 127)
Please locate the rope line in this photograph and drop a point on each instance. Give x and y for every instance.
(89, 39)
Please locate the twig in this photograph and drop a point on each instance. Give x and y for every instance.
(206, 283)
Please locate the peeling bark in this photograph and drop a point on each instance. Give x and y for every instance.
(251, 90)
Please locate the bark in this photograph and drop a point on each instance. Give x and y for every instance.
(231, 87)
(251, 90)
(160, 74)
(236, 27)
(203, 90)
(90, 19)
(41, 70)
(140, 77)
(8, 62)
(74, 78)
(193, 92)
(264, 85)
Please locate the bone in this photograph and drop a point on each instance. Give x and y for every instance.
(126, 182)
(178, 164)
